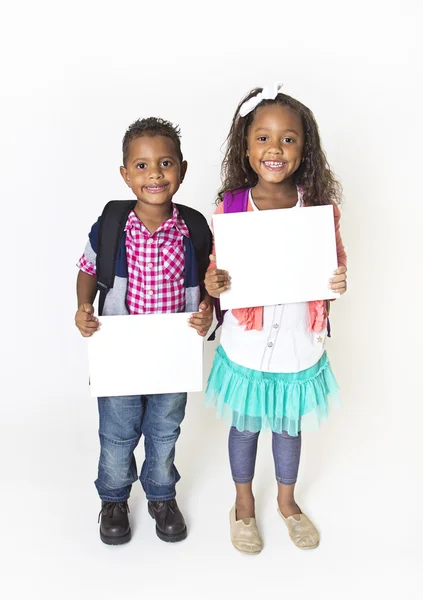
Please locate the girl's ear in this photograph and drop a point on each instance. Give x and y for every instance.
(125, 176)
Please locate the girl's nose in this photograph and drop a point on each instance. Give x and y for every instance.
(275, 147)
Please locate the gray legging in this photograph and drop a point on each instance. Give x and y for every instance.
(243, 452)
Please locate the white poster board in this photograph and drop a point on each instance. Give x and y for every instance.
(145, 354)
(276, 256)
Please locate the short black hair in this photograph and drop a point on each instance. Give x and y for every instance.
(151, 127)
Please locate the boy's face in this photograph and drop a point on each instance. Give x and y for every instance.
(153, 169)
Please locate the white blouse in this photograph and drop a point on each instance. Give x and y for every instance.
(285, 344)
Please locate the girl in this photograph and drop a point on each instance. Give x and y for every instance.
(271, 368)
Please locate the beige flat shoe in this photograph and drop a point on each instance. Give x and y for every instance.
(244, 534)
(301, 531)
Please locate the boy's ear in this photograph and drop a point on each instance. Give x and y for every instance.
(125, 176)
(184, 167)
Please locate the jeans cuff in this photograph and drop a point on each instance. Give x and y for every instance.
(113, 498)
(286, 481)
(151, 498)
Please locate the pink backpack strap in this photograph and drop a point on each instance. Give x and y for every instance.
(235, 201)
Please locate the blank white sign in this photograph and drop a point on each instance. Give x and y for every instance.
(145, 354)
(276, 256)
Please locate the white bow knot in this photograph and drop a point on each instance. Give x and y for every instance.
(269, 92)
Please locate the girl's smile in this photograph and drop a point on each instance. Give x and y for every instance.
(274, 165)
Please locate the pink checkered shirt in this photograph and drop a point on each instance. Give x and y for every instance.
(156, 266)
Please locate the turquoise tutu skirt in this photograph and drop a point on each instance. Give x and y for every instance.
(255, 400)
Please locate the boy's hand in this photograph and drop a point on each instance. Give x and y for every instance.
(202, 320)
(85, 320)
(217, 280)
(338, 283)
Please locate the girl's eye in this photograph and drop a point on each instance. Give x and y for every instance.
(141, 166)
(289, 140)
(166, 163)
(262, 138)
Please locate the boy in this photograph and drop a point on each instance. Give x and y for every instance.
(152, 271)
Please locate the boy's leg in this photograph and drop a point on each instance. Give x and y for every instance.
(119, 431)
(161, 427)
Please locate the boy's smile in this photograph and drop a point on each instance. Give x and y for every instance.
(153, 169)
(275, 143)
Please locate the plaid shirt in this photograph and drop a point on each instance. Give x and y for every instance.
(156, 266)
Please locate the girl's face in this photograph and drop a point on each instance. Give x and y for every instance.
(275, 143)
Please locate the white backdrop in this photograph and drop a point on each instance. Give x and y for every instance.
(74, 76)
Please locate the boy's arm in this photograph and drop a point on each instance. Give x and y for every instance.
(202, 320)
(86, 291)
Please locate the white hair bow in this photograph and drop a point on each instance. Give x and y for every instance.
(269, 92)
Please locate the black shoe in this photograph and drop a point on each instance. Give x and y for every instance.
(114, 526)
(170, 524)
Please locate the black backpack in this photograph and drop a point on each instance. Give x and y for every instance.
(112, 224)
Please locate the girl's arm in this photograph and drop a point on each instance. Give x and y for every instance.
(338, 283)
(342, 256)
(217, 280)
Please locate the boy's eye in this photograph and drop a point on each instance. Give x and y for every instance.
(166, 163)
(141, 166)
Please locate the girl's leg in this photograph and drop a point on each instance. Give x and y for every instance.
(242, 457)
(286, 454)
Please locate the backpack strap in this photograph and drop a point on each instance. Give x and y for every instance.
(233, 202)
(201, 237)
(111, 227)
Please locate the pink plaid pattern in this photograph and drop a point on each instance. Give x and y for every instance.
(86, 266)
(156, 266)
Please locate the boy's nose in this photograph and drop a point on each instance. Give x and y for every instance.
(155, 174)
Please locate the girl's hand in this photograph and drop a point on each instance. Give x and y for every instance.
(202, 320)
(338, 283)
(217, 280)
(85, 320)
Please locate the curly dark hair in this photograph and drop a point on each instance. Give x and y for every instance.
(314, 174)
(151, 127)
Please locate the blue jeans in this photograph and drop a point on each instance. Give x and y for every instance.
(123, 419)
(243, 452)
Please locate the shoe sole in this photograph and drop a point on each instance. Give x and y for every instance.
(178, 537)
(306, 547)
(115, 541)
(245, 551)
